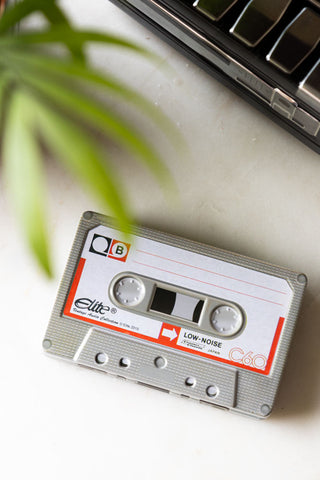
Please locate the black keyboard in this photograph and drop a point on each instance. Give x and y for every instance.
(266, 50)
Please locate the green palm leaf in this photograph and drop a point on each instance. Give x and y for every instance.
(51, 11)
(24, 176)
(83, 159)
(21, 10)
(65, 35)
(95, 114)
(67, 71)
(43, 97)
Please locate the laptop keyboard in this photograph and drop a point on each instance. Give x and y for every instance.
(271, 48)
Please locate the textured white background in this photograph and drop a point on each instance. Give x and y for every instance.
(245, 185)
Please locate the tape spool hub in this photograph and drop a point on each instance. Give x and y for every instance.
(129, 291)
(226, 320)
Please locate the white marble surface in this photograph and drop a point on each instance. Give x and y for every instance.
(245, 185)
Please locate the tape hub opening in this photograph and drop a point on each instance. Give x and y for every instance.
(226, 320)
(129, 291)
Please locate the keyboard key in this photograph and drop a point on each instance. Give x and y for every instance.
(296, 42)
(257, 19)
(214, 9)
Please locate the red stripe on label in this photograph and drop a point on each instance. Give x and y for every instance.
(274, 345)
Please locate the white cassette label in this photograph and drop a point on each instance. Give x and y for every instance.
(264, 299)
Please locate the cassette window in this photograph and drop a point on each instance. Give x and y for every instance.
(177, 305)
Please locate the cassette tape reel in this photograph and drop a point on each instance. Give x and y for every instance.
(176, 315)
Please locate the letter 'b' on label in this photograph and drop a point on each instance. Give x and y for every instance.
(119, 250)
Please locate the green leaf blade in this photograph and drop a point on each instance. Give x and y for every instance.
(63, 34)
(103, 120)
(14, 14)
(24, 176)
(73, 71)
(79, 154)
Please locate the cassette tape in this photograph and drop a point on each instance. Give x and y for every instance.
(176, 315)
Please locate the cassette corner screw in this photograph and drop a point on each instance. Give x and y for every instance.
(302, 278)
(46, 344)
(88, 215)
(265, 409)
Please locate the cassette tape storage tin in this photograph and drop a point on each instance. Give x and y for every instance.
(176, 315)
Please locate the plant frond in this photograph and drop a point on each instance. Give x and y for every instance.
(72, 38)
(15, 13)
(24, 176)
(65, 70)
(99, 117)
(81, 156)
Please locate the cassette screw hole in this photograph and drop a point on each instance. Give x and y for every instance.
(124, 362)
(302, 278)
(212, 391)
(101, 358)
(190, 381)
(160, 362)
(88, 215)
(265, 410)
(46, 344)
